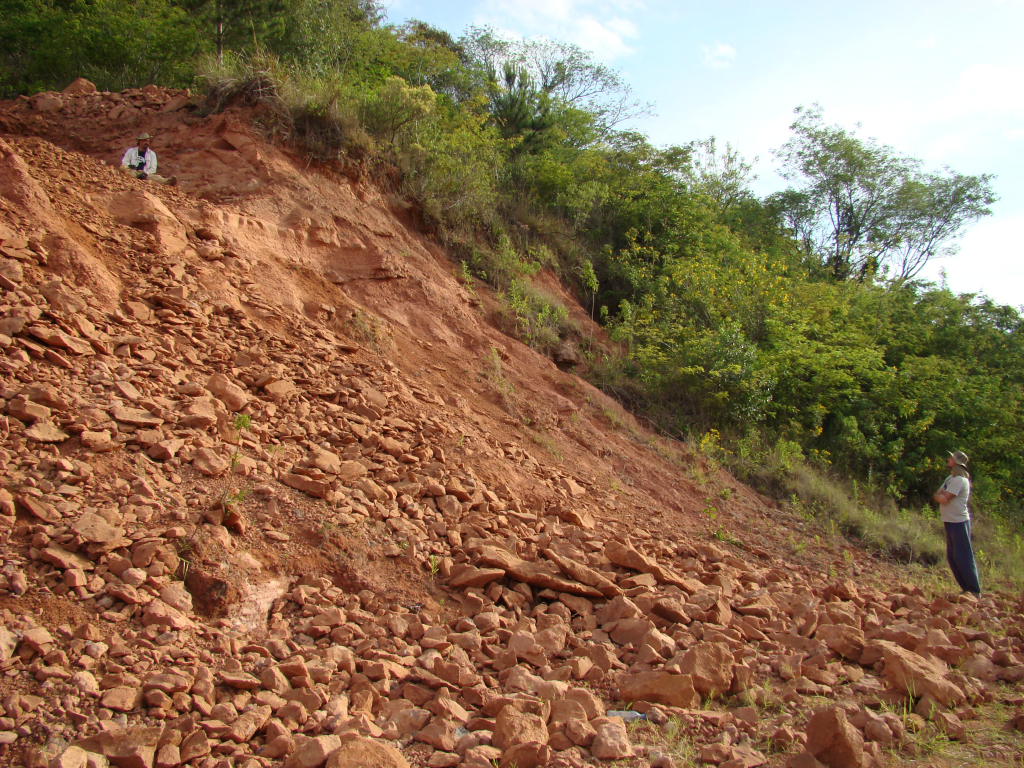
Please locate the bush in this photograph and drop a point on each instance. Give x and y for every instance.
(317, 114)
(451, 171)
(395, 106)
(533, 316)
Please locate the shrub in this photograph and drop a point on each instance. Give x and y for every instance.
(451, 170)
(533, 316)
(317, 114)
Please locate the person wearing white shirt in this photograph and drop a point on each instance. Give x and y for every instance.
(140, 161)
(952, 499)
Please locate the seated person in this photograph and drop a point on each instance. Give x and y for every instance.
(140, 162)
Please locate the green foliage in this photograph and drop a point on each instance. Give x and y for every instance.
(395, 106)
(451, 172)
(534, 316)
(236, 24)
(316, 114)
(494, 371)
(370, 330)
(864, 209)
(45, 44)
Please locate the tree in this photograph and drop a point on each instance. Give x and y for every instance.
(565, 72)
(863, 209)
(336, 39)
(520, 110)
(45, 44)
(724, 176)
(430, 56)
(233, 24)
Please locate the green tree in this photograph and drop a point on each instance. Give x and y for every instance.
(723, 175)
(237, 24)
(864, 210)
(46, 44)
(564, 72)
(336, 40)
(520, 110)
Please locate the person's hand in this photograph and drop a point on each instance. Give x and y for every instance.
(142, 175)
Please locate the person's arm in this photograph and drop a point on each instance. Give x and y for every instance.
(125, 162)
(150, 163)
(950, 489)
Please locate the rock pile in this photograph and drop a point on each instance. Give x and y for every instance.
(129, 435)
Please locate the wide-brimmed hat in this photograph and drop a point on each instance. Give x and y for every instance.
(959, 457)
(144, 137)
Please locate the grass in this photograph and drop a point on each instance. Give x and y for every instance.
(494, 372)
(319, 115)
(465, 278)
(533, 316)
(547, 444)
(370, 331)
(764, 697)
(671, 739)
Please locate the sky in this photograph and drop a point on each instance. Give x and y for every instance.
(937, 80)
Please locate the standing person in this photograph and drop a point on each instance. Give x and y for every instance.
(952, 499)
(140, 161)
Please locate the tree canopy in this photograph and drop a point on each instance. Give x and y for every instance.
(862, 209)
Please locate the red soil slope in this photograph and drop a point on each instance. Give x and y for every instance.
(276, 484)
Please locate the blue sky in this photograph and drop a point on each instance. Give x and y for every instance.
(941, 81)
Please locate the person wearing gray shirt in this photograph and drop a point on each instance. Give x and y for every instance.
(952, 499)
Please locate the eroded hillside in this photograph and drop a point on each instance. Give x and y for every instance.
(278, 492)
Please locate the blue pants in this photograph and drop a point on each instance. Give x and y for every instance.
(961, 556)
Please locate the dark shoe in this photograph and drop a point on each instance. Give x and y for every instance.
(172, 182)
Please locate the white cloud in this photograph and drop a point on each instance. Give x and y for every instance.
(947, 145)
(990, 89)
(1014, 133)
(991, 261)
(594, 25)
(719, 55)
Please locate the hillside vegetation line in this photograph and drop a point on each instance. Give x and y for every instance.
(788, 336)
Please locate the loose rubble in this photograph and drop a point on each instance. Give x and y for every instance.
(167, 447)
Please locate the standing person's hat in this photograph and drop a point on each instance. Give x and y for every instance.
(144, 137)
(959, 457)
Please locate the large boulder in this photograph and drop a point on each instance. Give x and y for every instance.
(612, 742)
(145, 211)
(845, 640)
(659, 687)
(833, 740)
(514, 727)
(360, 752)
(228, 392)
(313, 753)
(710, 667)
(915, 675)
